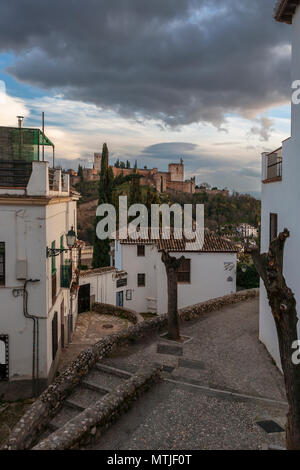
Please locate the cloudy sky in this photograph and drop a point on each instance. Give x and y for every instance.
(206, 80)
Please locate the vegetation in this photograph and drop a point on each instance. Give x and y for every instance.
(247, 276)
(101, 256)
(224, 211)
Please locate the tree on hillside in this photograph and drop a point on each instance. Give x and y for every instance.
(101, 255)
(128, 164)
(80, 173)
(283, 306)
(135, 196)
(172, 264)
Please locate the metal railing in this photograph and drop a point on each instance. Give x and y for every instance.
(273, 167)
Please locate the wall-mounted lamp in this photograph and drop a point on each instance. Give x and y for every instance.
(71, 240)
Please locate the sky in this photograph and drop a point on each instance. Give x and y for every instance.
(206, 81)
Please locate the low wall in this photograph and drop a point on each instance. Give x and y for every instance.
(92, 422)
(25, 433)
(107, 309)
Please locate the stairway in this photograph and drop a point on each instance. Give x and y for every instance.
(101, 380)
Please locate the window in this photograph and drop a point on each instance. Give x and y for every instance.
(141, 280)
(120, 299)
(122, 282)
(54, 335)
(184, 272)
(2, 264)
(129, 294)
(53, 260)
(141, 250)
(273, 226)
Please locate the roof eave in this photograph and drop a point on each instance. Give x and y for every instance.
(285, 10)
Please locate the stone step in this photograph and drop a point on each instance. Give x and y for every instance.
(104, 379)
(95, 386)
(82, 397)
(63, 416)
(113, 370)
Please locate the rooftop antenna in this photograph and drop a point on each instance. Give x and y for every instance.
(20, 124)
(43, 129)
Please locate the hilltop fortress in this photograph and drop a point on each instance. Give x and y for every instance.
(162, 181)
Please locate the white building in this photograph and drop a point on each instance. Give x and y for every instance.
(97, 285)
(38, 295)
(246, 230)
(206, 273)
(281, 191)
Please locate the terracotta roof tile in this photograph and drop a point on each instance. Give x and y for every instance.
(212, 243)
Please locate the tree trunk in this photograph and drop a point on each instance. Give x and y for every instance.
(283, 306)
(171, 265)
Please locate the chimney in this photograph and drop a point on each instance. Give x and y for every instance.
(20, 121)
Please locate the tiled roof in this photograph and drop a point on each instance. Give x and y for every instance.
(104, 270)
(212, 243)
(285, 10)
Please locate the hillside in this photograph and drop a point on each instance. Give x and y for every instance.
(220, 210)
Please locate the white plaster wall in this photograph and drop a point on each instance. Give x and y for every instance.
(135, 265)
(283, 198)
(102, 287)
(208, 278)
(27, 231)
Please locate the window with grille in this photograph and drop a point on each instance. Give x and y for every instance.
(141, 250)
(141, 278)
(184, 272)
(2, 264)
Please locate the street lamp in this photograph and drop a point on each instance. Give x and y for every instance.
(71, 238)
(71, 241)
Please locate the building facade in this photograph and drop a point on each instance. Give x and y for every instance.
(207, 273)
(281, 192)
(38, 295)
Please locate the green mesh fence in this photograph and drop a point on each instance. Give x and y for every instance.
(22, 144)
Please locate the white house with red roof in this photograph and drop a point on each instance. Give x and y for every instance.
(207, 273)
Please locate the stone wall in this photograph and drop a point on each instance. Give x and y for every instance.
(107, 309)
(24, 435)
(94, 420)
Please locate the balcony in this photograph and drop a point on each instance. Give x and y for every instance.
(66, 275)
(272, 167)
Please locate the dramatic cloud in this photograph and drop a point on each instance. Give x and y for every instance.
(263, 129)
(175, 61)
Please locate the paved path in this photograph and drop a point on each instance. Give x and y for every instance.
(216, 388)
(90, 328)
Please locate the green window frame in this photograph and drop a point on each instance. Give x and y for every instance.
(53, 260)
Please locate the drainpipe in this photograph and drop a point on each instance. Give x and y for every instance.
(35, 340)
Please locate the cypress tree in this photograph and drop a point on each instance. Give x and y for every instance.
(101, 256)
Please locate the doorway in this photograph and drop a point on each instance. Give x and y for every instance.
(84, 299)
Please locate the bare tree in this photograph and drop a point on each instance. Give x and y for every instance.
(283, 305)
(172, 264)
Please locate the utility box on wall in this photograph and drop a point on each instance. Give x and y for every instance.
(21, 269)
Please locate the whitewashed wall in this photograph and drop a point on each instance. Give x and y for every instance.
(209, 279)
(283, 198)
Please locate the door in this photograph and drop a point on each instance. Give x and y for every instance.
(84, 298)
(120, 299)
(62, 323)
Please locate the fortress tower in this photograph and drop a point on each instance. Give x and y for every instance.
(97, 161)
(176, 171)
